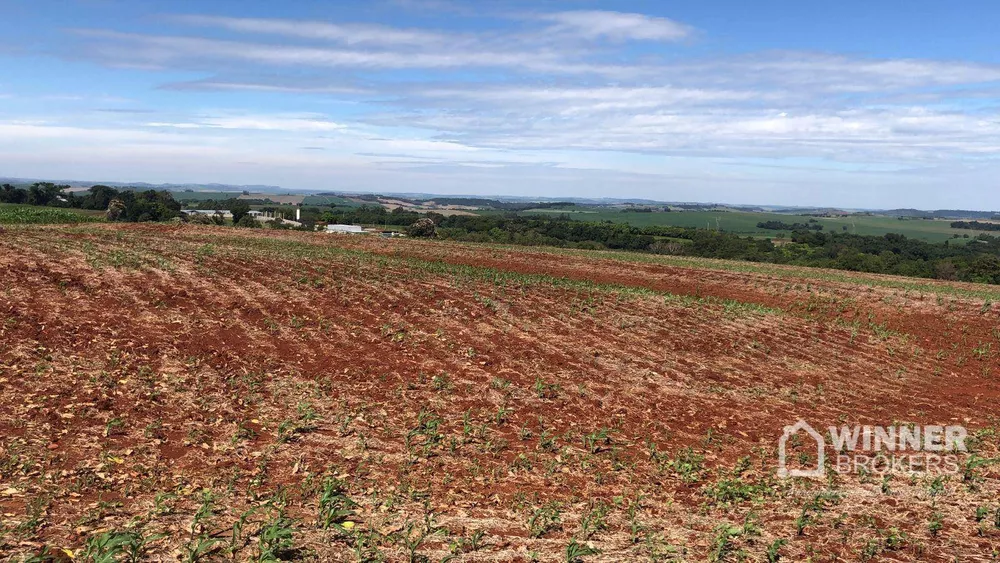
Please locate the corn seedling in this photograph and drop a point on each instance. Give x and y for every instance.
(544, 520)
(575, 552)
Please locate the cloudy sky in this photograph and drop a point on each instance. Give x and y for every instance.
(854, 104)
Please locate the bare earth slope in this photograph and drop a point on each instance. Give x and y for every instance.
(211, 393)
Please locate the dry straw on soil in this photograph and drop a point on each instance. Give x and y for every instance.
(206, 393)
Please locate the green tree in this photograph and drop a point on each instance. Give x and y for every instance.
(10, 194)
(239, 209)
(44, 193)
(985, 268)
(99, 197)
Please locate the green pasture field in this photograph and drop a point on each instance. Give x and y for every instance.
(12, 214)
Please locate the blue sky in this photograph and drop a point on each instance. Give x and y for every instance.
(853, 104)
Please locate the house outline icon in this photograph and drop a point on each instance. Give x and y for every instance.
(783, 471)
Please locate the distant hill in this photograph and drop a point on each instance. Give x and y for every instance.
(149, 186)
(421, 196)
(941, 213)
(823, 211)
(488, 199)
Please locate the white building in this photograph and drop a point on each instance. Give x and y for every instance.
(350, 229)
(226, 214)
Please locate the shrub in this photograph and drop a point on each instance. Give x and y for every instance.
(199, 219)
(422, 228)
(115, 209)
(247, 221)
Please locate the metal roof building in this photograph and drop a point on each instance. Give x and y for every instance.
(353, 229)
(223, 212)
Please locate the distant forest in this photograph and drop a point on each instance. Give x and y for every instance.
(812, 225)
(941, 214)
(977, 225)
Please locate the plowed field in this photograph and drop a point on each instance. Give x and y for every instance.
(208, 393)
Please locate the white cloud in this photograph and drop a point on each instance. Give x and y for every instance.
(348, 34)
(617, 26)
(900, 135)
(564, 83)
(158, 51)
(582, 24)
(839, 73)
(223, 85)
(724, 105)
(576, 100)
(176, 125)
(302, 124)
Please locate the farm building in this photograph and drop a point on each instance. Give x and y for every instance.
(224, 212)
(269, 216)
(349, 229)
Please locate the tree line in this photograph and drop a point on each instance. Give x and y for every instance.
(976, 225)
(812, 225)
(976, 261)
(120, 205)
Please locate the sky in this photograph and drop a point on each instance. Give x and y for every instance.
(850, 104)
